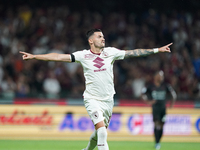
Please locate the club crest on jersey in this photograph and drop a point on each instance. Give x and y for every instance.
(105, 54)
(95, 114)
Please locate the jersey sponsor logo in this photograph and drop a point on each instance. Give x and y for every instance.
(98, 62)
(159, 95)
(88, 56)
(100, 70)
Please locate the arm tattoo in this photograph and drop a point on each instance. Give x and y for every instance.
(138, 52)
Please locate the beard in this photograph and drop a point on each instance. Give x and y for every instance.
(99, 45)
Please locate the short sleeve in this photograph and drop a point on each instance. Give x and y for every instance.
(147, 92)
(78, 56)
(118, 54)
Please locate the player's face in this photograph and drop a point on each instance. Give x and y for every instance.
(160, 76)
(98, 40)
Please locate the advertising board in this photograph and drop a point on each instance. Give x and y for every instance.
(29, 121)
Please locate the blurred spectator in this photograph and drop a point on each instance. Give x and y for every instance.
(8, 88)
(61, 29)
(51, 86)
(196, 63)
(39, 49)
(23, 88)
(180, 37)
(38, 83)
(1, 69)
(137, 85)
(25, 14)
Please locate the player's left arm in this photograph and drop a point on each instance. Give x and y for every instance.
(173, 95)
(145, 52)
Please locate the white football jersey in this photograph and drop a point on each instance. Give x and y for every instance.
(98, 72)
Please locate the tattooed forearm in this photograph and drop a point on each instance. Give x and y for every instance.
(138, 52)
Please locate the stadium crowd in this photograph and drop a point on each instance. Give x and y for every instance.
(60, 30)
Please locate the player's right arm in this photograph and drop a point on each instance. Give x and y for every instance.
(48, 57)
(144, 97)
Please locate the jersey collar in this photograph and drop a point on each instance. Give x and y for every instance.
(96, 53)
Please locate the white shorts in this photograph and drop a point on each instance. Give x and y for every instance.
(99, 110)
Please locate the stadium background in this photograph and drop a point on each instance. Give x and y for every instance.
(33, 94)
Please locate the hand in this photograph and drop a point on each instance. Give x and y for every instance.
(151, 102)
(171, 105)
(165, 48)
(27, 56)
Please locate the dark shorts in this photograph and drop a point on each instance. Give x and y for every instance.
(159, 114)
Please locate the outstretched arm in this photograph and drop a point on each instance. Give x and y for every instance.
(145, 52)
(47, 57)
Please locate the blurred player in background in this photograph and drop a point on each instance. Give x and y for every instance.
(97, 65)
(156, 95)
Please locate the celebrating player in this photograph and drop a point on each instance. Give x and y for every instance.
(97, 65)
(156, 95)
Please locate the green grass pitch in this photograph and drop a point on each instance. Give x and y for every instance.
(78, 145)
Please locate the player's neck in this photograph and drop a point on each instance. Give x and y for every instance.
(157, 83)
(96, 50)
